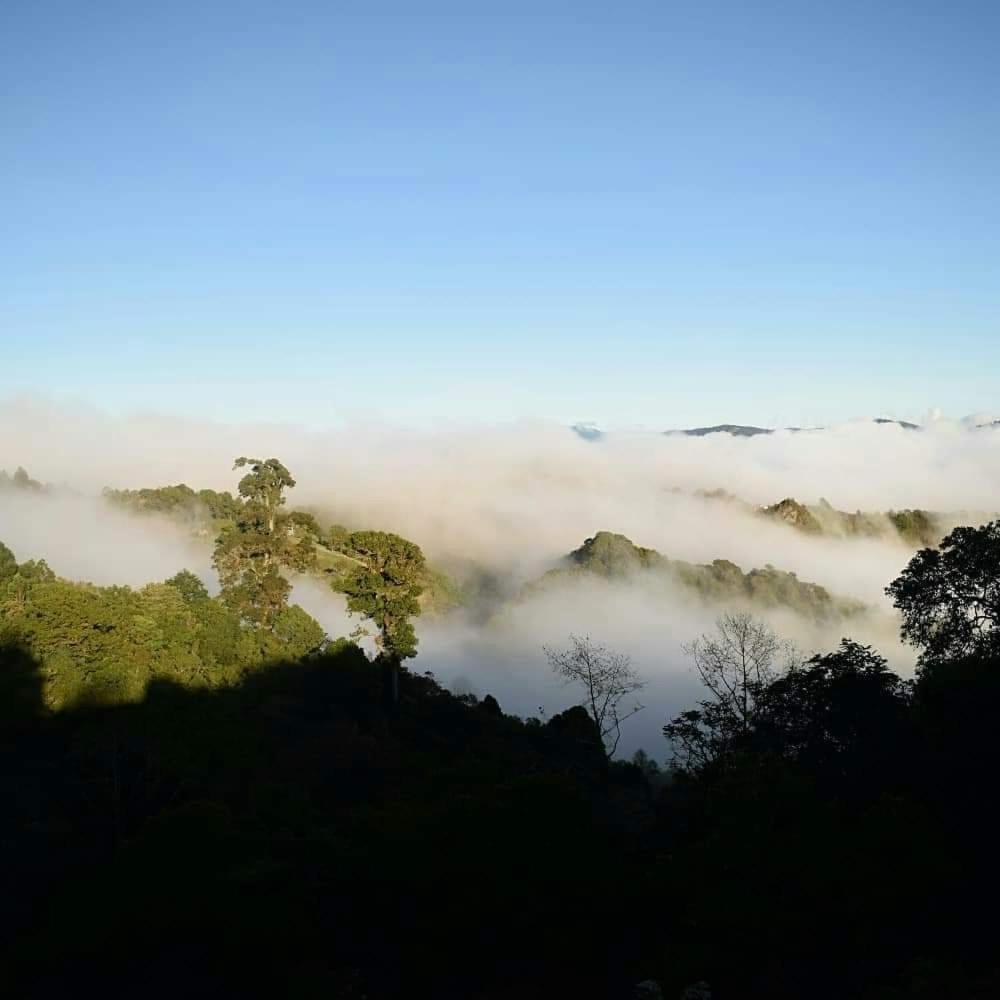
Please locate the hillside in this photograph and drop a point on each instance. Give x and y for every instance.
(105, 645)
(207, 513)
(915, 528)
(614, 557)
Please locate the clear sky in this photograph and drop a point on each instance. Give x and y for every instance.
(633, 213)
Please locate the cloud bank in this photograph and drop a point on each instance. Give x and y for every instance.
(510, 500)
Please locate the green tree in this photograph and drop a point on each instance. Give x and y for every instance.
(191, 588)
(15, 589)
(302, 524)
(264, 486)
(8, 563)
(337, 537)
(250, 554)
(949, 597)
(223, 646)
(297, 634)
(384, 588)
(220, 506)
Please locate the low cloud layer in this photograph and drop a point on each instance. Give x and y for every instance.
(83, 538)
(510, 500)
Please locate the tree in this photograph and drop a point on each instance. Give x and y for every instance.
(8, 562)
(219, 506)
(224, 646)
(23, 481)
(384, 588)
(736, 664)
(841, 715)
(302, 524)
(190, 587)
(647, 765)
(949, 597)
(264, 486)
(607, 679)
(297, 634)
(337, 537)
(16, 580)
(250, 553)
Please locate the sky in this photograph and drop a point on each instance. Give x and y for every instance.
(642, 213)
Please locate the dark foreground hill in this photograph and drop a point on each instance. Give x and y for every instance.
(299, 835)
(295, 835)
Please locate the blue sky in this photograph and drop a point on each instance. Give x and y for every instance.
(635, 213)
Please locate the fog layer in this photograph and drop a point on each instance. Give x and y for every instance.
(510, 501)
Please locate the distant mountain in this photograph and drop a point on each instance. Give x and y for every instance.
(737, 430)
(902, 423)
(749, 430)
(589, 432)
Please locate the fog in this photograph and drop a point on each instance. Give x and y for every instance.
(84, 538)
(511, 500)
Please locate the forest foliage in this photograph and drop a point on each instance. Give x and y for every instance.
(614, 557)
(106, 645)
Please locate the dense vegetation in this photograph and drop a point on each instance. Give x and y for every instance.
(914, 527)
(205, 795)
(106, 645)
(615, 557)
(179, 501)
(335, 557)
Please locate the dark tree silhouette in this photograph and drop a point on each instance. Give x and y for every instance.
(736, 664)
(949, 597)
(607, 679)
(841, 715)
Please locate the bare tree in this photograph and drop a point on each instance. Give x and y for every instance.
(607, 678)
(737, 664)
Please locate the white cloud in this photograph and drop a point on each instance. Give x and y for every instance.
(512, 499)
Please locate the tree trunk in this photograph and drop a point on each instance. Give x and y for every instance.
(390, 681)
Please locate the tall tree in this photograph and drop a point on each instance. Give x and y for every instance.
(264, 486)
(736, 665)
(384, 588)
(607, 679)
(842, 715)
(250, 555)
(949, 597)
(8, 562)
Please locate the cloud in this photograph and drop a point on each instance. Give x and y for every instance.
(510, 500)
(82, 538)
